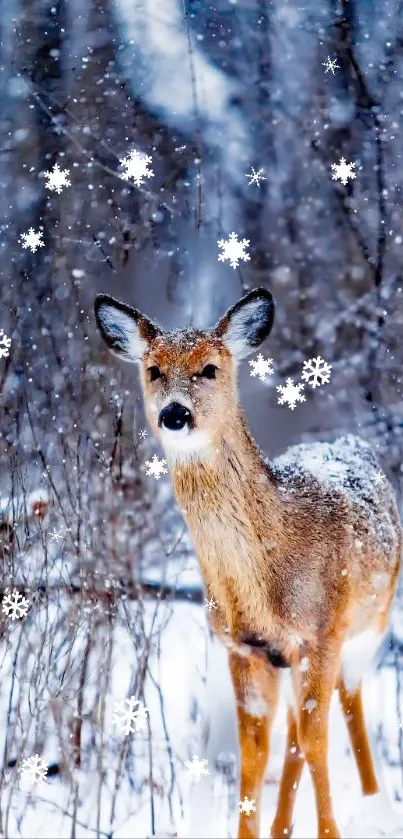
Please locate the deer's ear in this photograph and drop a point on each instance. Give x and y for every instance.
(126, 331)
(246, 324)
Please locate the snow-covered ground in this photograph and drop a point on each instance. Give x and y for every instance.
(191, 712)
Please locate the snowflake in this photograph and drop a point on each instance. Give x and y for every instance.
(379, 479)
(343, 171)
(316, 372)
(5, 343)
(57, 179)
(233, 250)
(197, 767)
(330, 64)
(128, 717)
(290, 394)
(14, 604)
(56, 535)
(34, 768)
(32, 240)
(142, 434)
(156, 467)
(256, 175)
(210, 604)
(247, 805)
(136, 164)
(261, 367)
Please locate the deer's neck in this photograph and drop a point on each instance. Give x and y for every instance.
(232, 509)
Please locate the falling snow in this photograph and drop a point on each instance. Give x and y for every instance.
(5, 344)
(136, 166)
(290, 393)
(210, 604)
(197, 767)
(156, 467)
(342, 171)
(261, 367)
(32, 240)
(34, 769)
(256, 176)
(130, 715)
(57, 179)
(14, 604)
(379, 479)
(233, 250)
(316, 372)
(247, 805)
(331, 64)
(56, 535)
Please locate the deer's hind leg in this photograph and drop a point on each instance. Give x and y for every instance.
(256, 692)
(353, 711)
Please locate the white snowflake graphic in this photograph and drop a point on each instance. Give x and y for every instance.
(290, 394)
(316, 372)
(130, 715)
(156, 467)
(331, 64)
(256, 175)
(56, 535)
(261, 367)
(197, 767)
(136, 164)
(5, 344)
(34, 768)
(32, 240)
(379, 479)
(247, 805)
(233, 250)
(142, 434)
(210, 604)
(14, 604)
(57, 178)
(342, 171)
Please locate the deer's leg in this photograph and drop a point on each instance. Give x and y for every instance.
(315, 688)
(351, 703)
(256, 691)
(292, 769)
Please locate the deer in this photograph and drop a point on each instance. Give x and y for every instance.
(300, 555)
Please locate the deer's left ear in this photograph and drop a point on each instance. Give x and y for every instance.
(126, 331)
(246, 324)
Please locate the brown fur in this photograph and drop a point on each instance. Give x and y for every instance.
(289, 559)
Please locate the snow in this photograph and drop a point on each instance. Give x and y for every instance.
(343, 171)
(233, 250)
(290, 393)
(205, 90)
(261, 367)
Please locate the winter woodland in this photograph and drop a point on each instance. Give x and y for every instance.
(111, 683)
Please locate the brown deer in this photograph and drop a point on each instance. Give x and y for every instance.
(301, 555)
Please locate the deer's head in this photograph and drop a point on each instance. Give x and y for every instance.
(188, 376)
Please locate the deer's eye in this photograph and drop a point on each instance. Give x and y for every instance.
(209, 371)
(155, 373)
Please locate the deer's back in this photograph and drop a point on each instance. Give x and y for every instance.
(344, 497)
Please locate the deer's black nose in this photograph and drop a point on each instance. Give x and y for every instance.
(174, 417)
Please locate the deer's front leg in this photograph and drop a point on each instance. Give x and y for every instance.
(256, 692)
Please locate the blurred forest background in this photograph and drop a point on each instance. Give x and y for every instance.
(208, 91)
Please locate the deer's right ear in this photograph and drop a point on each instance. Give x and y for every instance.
(248, 323)
(126, 331)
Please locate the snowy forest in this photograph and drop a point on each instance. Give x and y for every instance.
(246, 110)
